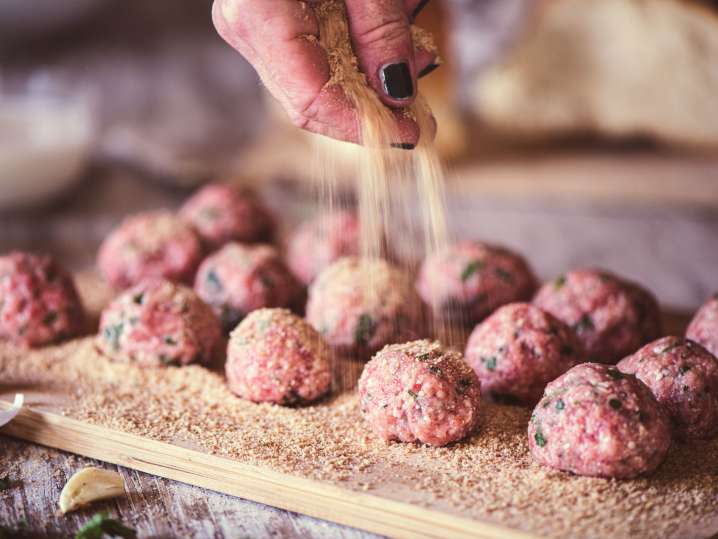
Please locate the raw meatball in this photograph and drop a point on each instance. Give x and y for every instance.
(321, 241)
(594, 420)
(683, 377)
(611, 316)
(703, 329)
(361, 305)
(275, 356)
(238, 279)
(419, 391)
(38, 301)
(519, 349)
(147, 245)
(221, 212)
(468, 281)
(158, 322)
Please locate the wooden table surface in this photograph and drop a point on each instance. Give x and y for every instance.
(673, 250)
(155, 507)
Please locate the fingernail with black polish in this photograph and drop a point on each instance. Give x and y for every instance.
(403, 145)
(418, 9)
(396, 79)
(428, 69)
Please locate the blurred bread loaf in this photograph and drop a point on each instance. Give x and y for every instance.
(616, 68)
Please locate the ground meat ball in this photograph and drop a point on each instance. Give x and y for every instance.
(238, 279)
(612, 317)
(321, 241)
(158, 322)
(594, 420)
(275, 356)
(221, 213)
(468, 281)
(148, 245)
(419, 391)
(518, 350)
(361, 305)
(38, 301)
(703, 329)
(683, 377)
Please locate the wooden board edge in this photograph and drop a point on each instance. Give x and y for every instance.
(312, 498)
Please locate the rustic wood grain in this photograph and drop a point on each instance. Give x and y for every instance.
(155, 507)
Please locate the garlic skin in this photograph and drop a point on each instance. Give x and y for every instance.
(90, 485)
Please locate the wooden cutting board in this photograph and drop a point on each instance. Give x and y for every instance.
(320, 460)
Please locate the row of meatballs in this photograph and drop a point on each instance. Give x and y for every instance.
(594, 419)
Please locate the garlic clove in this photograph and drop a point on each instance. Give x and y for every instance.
(89, 485)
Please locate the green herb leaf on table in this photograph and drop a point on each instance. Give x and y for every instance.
(101, 524)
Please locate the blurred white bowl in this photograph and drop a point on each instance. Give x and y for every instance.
(45, 143)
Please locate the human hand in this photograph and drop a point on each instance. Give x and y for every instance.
(272, 36)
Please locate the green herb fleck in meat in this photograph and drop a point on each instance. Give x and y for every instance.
(489, 362)
(214, 281)
(113, 333)
(4, 482)
(584, 324)
(267, 281)
(209, 213)
(683, 369)
(463, 385)
(230, 317)
(166, 360)
(263, 324)
(614, 403)
(412, 394)
(669, 347)
(560, 404)
(49, 318)
(539, 438)
(615, 374)
(424, 357)
(436, 370)
(102, 525)
(138, 298)
(169, 340)
(364, 330)
(559, 282)
(504, 275)
(471, 268)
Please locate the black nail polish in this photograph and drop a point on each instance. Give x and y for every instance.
(418, 9)
(428, 69)
(403, 145)
(396, 79)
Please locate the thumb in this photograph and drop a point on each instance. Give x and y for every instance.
(382, 42)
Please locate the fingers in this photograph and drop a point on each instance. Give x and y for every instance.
(275, 38)
(413, 7)
(278, 38)
(382, 42)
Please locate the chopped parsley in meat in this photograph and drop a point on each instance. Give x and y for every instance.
(364, 330)
(471, 268)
